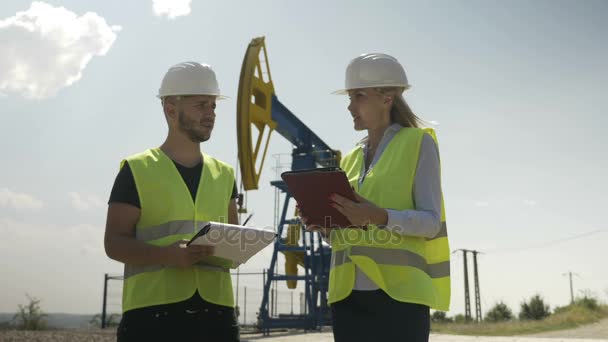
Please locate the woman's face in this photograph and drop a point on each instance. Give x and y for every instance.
(368, 108)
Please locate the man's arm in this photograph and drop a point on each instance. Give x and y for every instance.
(121, 245)
(233, 215)
(119, 240)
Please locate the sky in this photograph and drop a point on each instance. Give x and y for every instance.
(516, 91)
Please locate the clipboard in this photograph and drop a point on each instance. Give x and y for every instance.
(234, 244)
(312, 187)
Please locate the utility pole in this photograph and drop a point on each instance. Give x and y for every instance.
(478, 316)
(467, 300)
(105, 296)
(571, 289)
(570, 273)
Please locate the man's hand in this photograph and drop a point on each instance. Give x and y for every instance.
(359, 214)
(180, 255)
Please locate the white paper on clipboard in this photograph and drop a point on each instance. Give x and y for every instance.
(232, 242)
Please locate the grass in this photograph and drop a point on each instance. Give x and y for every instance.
(567, 318)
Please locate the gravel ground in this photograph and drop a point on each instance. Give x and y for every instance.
(593, 332)
(98, 335)
(597, 330)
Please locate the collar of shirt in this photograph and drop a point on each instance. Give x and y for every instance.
(394, 128)
(389, 134)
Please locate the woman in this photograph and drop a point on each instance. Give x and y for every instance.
(392, 265)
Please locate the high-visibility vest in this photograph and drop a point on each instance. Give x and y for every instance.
(168, 215)
(409, 269)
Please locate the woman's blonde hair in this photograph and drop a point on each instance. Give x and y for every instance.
(401, 112)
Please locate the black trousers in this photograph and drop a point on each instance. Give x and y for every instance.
(192, 320)
(374, 316)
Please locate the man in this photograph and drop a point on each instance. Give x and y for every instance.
(160, 198)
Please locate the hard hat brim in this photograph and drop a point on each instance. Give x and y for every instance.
(345, 91)
(217, 97)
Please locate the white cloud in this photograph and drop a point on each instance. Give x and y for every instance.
(85, 202)
(434, 122)
(482, 204)
(171, 8)
(46, 48)
(530, 202)
(16, 200)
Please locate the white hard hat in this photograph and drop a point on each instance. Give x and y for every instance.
(190, 78)
(371, 70)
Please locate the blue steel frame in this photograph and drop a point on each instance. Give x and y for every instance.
(309, 151)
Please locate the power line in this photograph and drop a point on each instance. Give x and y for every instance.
(547, 244)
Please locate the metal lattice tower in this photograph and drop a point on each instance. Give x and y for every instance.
(467, 301)
(478, 316)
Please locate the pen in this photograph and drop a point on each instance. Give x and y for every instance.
(247, 219)
(200, 233)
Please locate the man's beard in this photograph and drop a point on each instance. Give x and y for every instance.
(188, 127)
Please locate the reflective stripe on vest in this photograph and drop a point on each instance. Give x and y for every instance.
(166, 229)
(394, 257)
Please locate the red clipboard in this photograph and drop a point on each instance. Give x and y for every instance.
(311, 188)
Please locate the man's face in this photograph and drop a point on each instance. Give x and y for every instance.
(196, 117)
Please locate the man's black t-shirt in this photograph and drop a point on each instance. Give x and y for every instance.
(125, 190)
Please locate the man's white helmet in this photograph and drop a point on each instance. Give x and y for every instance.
(372, 70)
(190, 78)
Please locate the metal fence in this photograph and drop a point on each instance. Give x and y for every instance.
(248, 298)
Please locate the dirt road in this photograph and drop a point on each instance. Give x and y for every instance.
(592, 332)
(597, 330)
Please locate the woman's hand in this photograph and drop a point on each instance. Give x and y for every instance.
(359, 214)
(312, 228)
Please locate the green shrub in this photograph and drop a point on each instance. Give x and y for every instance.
(499, 313)
(587, 301)
(460, 318)
(535, 309)
(440, 317)
(30, 316)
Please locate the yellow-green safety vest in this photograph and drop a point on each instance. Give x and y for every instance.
(168, 215)
(409, 269)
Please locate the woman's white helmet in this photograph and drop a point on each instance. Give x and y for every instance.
(372, 70)
(190, 78)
